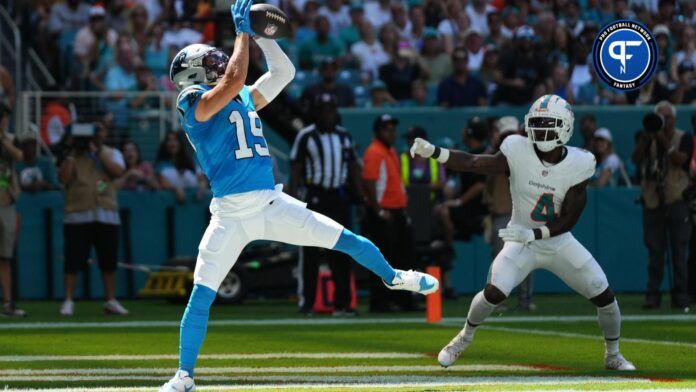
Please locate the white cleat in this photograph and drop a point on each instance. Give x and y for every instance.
(181, 382)
(618, 362)
(451, 352)
(67, 308)
(115, 307)
(415, 281)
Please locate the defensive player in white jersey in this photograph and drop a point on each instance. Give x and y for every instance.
(218, 113)
(548, 182)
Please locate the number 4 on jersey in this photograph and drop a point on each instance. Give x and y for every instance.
(544, 209)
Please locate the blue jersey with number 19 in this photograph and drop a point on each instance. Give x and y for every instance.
(230, 146)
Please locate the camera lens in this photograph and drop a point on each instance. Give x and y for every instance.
(652, 122)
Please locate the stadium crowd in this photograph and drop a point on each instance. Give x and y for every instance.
(378, 54)
(383, 53)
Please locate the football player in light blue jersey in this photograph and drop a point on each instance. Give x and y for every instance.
(218, 114)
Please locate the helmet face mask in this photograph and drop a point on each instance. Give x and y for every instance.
(198, 64)
(549, 123)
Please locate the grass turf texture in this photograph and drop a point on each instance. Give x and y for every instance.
(556, 357)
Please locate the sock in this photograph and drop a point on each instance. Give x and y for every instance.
(193, 326)
(478, 311)
(365, 253)
(609, 319)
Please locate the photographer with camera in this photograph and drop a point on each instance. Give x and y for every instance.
(91, 212)
(663, 154)
(9, 192)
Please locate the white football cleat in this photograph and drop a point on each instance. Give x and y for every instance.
(115, 307)
(415, 281)
(618, 362)
(451, 352)
(181, 382)
(67, 308)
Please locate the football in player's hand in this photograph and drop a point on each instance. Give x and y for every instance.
(268, 21)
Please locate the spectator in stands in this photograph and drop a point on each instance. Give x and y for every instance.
(68, 16)
(473, 42)
(368, 51)
(462, 216)
(9, 192)
(511, 21)
(455, 21)
(400, 20)
(138, 25)
(571, 20)
(419, 96)
(328, 68)
(433, 58)
(146, 83)
(7, 97)
(521, 68)
(91, 213)
(95, 38)
(461, 88)
(488, 70)
(349, 35)
(664, 46)
(588, 127)
(478, 11)
(378, 12)
(687, 51)
(322, 46)
(416, 32)
(139, 175)
(121, 76)
(155, 55)
(608, 163)
(380, 96)
(595, 92)
(663, 153)
(389, 38)
(37, 173)
(559, 48)
(685, 91)
(176, 169)
(337, 14)
(386, 220)
(180, 34)
(558, 84)
(496, 35)
(400, 72)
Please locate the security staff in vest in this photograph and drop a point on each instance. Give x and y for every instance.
(324, 164)
(421, 171)
(662, 154)
(91, 213)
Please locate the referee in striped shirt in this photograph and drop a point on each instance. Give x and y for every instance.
(325, 173)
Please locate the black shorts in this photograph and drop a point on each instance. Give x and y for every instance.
(79, 239)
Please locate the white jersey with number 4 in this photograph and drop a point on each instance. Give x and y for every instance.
(538, 188)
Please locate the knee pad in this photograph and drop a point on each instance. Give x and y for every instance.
(493, 294)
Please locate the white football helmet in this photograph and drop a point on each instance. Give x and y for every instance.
(198, 64)
(549, 123)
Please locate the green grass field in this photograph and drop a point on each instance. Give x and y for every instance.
(266, 345)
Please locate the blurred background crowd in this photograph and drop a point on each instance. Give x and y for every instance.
(109, 64)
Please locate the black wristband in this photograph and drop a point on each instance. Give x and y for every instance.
(537, 233)
(436, 153)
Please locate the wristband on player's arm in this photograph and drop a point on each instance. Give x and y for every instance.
(440, 154)
(541, 233)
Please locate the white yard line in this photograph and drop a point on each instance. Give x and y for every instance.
(294, 382)
(331, 321)
(270, 369)
(134, 357)
(587, 336)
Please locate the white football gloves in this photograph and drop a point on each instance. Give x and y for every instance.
(422, 147)
(516, 234)
(426, 149)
